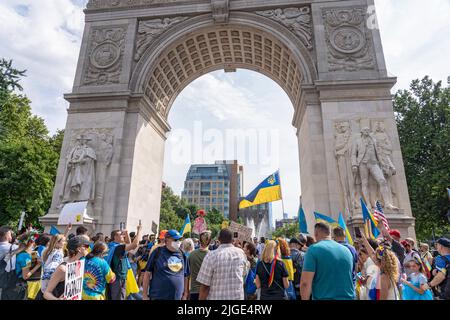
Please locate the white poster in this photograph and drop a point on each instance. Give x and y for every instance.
(73, 213)
(74, 280)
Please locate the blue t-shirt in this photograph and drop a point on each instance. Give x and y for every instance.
(168, 272)
(355, 258)
(23, 260)
(440, 263)
(332, 265)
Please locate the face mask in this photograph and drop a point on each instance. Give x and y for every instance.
(176, 245)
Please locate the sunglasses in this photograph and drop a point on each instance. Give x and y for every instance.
(86, 246)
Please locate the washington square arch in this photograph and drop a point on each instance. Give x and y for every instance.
(138, 55)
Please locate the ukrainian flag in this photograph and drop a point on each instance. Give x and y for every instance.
(325, 219)
(267, 191)
(370, 224)
(187, 227)
(303, 226)
(344, 226)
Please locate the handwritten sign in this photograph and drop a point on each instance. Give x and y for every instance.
(73, 213)
(244, 233)
(74, 280)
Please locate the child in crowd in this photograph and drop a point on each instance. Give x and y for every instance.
(413, 287)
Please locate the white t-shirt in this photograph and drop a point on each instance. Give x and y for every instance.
(5, 248)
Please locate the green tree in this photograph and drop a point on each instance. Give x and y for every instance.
(422, 114)
(28, 155)
(287, 231)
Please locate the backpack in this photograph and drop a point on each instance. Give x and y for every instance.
(445, 285)
(297, 260)
(12, 287)
(250, 285)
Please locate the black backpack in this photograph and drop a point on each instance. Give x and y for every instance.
(9, 282)
(297, 261)
(445, 285)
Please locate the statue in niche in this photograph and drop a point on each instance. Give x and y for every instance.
(366, 162)
(385, 147)
(79, 173)
(343, 154)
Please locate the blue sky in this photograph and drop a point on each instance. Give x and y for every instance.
(44, 37)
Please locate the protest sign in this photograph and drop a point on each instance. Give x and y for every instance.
(200, 225)
(243, 233)
(73, 213)
(74, 280)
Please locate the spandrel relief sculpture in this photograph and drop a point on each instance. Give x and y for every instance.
(79, 174)
(367, 162)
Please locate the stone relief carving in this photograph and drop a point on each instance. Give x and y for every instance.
(106, 4)
(348, 40)
(220, 10)
(297, 20)
(364, 164)
(86, 165)
(149, 30)
(105, 55)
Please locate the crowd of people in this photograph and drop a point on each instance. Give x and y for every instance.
(132, 266)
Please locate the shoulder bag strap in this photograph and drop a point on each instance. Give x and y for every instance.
(268, 273)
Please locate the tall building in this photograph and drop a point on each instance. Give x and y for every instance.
(217, 185)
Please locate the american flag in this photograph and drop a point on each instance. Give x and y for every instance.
(379, 215)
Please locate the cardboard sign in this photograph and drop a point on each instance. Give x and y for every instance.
(243, 233)
(74, 280)
(73, 213)
(154, 227)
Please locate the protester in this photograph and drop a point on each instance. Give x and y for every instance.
(166, 270)
(7, 264)
(195, 263)
(441, 272)
(28, 264)
(410, 254)
(388, 262)
(42, 242)
(425, 254)
(327, 270)
(82, 231)
(287, 260)
(415, 287)
(340, 237)
(309, 242)
(272, 277)
(97, 273)
(118, 260)
(249, 286)
(77, 247)
(260, 247)
(393, 237)
(223, 271)
(368, 277)
(52, 257)
(298, 257)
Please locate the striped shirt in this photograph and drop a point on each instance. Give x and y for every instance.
(224, 271)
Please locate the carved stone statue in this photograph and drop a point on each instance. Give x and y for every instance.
(366, 161)
(385, 147)
(79, 173)
(343, 153)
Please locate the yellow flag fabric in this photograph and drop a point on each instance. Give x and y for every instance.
(131, 285)
(33, 288)
(290, 268)
(267, 191)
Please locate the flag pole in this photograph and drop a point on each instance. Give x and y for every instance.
(281, 192)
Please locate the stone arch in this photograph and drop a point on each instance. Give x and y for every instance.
(198, 46)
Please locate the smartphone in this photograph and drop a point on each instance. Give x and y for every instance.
(358, 232)
(122, 226)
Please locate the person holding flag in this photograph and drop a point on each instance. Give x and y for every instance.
(370, 224)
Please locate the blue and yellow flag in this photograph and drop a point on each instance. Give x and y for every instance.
(187, 227)
(325, 219)
(370, 224)
(267, 191)
(344, 226)
(302, 225)
(54, 231)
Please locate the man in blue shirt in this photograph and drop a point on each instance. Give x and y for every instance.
(442, 267)
(327, 269)
(166, 270)
(339, 237)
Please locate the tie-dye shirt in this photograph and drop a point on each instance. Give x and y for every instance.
(97, 273)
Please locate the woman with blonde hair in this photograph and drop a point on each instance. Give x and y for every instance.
(387, 261)
(271, 273)
(52, 257)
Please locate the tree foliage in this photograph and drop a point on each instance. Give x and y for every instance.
(423, 119)
(28, 155)
(287, 231)
(174, 210)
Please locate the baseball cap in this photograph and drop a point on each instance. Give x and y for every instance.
(405, 243)
(162, 234)
(76, 242)
(294, 240)
(444, 242)
(174, 234)
(395, 233)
